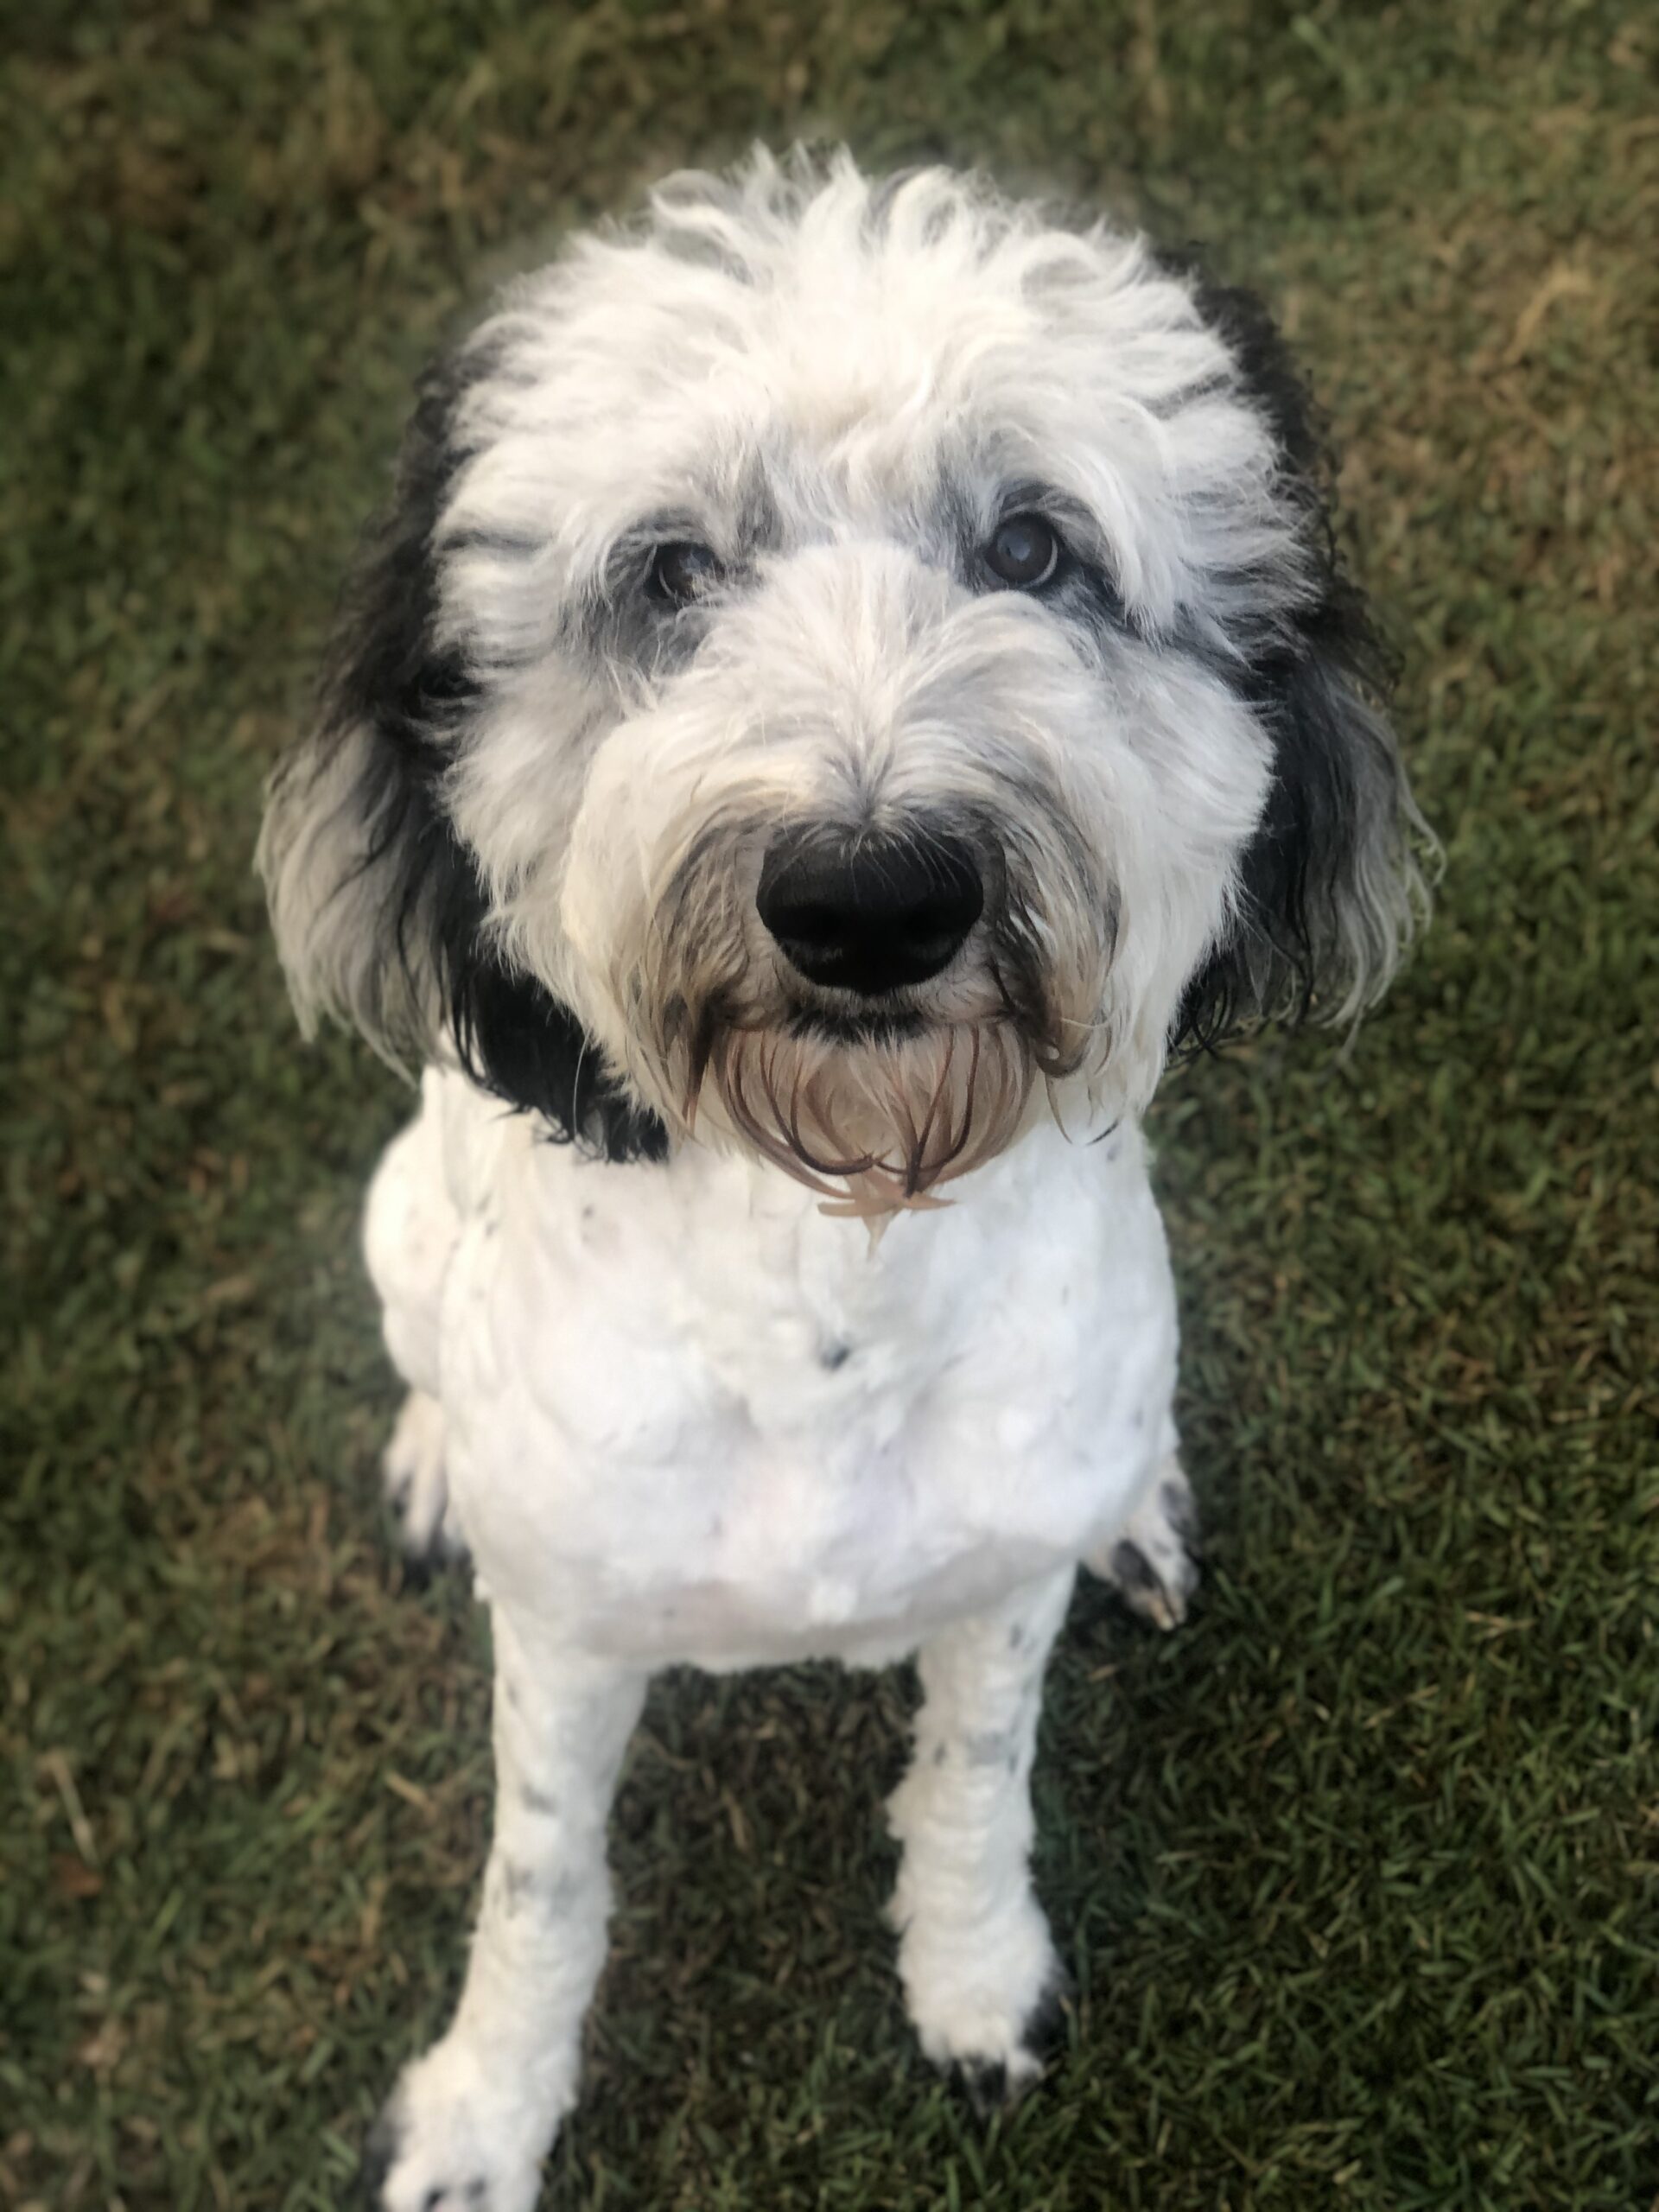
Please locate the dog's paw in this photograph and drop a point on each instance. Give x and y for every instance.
(986, 2004)
(417, 1489)
(994, 2084)
(448, 2140)
(1151, 1561)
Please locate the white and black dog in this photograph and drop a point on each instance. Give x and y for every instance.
(850, 676)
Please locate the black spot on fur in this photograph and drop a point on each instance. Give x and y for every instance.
(518, 1883)
(987, 1746)
(832, 1357)
(1044, 2034)
(1338, 812)
(380, 2150)
(1182, 1514)
(986, 2084)
(987, 2081)
(1132, 1569)
(416, 1572)
(391, 677)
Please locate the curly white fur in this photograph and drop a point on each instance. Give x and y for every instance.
(676, 1406)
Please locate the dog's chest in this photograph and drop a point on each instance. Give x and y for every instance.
(691, 1417)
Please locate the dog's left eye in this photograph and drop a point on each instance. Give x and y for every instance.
(682, 570)
(1024, 553)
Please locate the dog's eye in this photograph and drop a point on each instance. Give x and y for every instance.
(681, 571)
(1024, 553)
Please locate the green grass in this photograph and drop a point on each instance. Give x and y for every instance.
(1357, 1873)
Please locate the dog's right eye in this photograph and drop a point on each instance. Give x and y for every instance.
(682, 571)
(1025, 552)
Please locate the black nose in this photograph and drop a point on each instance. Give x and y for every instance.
(869, 914)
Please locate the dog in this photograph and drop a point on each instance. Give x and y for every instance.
(852, 675)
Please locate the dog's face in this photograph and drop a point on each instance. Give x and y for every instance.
(840, 661)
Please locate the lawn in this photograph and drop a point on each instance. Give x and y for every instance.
(1355, 1874)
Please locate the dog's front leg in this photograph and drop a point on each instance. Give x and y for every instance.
(469, 2123)
(979, 1970)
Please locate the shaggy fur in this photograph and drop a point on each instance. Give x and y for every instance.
(988, 557)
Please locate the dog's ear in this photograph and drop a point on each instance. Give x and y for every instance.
(379, 911)
(1329, 889)
(363, 875)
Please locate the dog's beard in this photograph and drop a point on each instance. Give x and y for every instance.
(874, 1110)
(873, 1125)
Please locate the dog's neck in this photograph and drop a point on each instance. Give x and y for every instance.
(723, 1190)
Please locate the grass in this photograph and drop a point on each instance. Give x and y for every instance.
(1357, 1874)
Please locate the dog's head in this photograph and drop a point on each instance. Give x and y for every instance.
(842, 659)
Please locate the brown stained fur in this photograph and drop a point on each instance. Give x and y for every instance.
(873, 1128)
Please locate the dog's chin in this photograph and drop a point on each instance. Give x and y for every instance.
(873, 1111)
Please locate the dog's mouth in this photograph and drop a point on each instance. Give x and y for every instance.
(855, 1026)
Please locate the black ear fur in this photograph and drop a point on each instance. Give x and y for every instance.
(1327, 884)
(356, 818)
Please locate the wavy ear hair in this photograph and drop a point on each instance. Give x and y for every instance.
(379, 909)
(1329, 890)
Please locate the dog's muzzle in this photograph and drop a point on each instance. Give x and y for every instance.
(869, 913)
